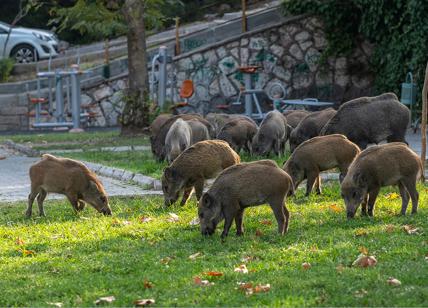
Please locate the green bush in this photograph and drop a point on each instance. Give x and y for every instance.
(6, 66)
(397, 28)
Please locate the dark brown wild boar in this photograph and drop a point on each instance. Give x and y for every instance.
(158, 141)
(67, 177)
(218, 120)
(294, 117)
(158, 122)
(241, 186)
(367, 120)
(272, 135)
(320, 154)
(378, 166)
(238, 133)
(202, 161)
(310, 126)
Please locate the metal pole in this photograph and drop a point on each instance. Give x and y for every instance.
(75, 98)
(177, 36)
(163, 55)
(244, 16)
(424, 118)
(248, 100)
(59, 98)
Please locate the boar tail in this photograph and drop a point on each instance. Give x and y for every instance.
(48, 156)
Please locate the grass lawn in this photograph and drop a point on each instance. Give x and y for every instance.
(142, 161)
(86, 140)
(74, 260)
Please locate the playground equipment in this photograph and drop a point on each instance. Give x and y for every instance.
(408, 98)
(56, 108)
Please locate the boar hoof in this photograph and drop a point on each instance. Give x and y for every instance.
(239, 233)
(42, 214)
(28, 214)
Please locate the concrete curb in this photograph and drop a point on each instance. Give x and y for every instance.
(111, 172)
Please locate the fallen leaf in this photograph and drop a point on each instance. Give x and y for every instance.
(144, 219)
(390, 228)
(361, 232)
(410, 229)
(194, 221)
(214, 274)
(259, 233)
(118, 222)
(56, 304)
(2, 157)
(105, 300)
(26, 252)
(147, 284)
(245, 285)
(144, 302)
(335, 208)
(19, 242)
(393, 282)
(166, 260)
(261, 288)
(247, 259)
(363, 250)
(392, 196)
(306, 265)
(195, 255)
(365, 261)
(200, 282)
(173, 217)
(266, 222)
(360, 293)
(241, 269)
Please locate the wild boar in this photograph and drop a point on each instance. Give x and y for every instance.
(320, 154)
(199, 131)
(218, 120)
(294, 117)
(310, 126)
(158, 122)
(67, 177)
(239, 133)
(378, 166)
(158, 141)
(241, 186)
(272, 135)
(202, 161)
(370, 120)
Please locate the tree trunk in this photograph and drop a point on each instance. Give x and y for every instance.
(135, 115)
(424, 117)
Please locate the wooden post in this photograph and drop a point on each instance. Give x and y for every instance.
(177, 36)
(424, 117)
(244, 16)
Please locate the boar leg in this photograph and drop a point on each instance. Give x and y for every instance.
(311, 178)
(73, 200)
(318, 185)
(31, 198)
(281, 214)
(40, 198)
(411, 188)
(372, 199)
(364, 205)
(405, 197)
(228, 220)
(81, 205)
(186, 195)
(199, 188)
(239, 222)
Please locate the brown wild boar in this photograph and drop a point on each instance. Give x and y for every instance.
(310, 126)
(272, 135)
(67, 177)
(320, 154)
(238, 133)
(294, 117)
(183, 134)
(158, 122)
(218, 120)
(202, 161)
(367, 120)
(242, 186)
(378, 166)
(158, 141)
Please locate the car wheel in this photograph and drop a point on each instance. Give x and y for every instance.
(23, 53)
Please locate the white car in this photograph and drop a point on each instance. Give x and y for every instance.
(25, 43)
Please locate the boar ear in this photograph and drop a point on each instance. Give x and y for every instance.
(207, 200)
(359, 179)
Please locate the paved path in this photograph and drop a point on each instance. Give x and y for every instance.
(112, 149)
(15, 182)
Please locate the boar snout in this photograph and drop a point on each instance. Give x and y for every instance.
(106, 211)
(350, 214)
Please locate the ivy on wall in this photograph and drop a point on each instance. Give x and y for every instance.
(397, 28)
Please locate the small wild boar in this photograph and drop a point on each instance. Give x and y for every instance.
(294, 117)
(158, 122)
(272, 134)
(378, 166)
(320, 154)
(218, 120)
(158, 141)
(310, 126)
(239, 133)
(367, 120)
(67, 177)
(241, 186)
(202, 161)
